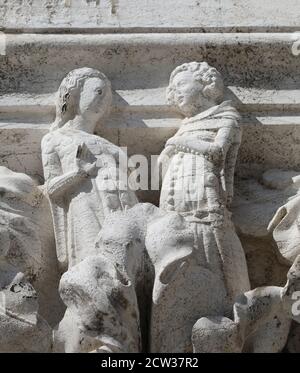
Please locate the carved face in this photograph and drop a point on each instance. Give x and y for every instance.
(188, 94)
(95, 98)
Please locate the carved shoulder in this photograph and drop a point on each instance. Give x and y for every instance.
(230, 122)
(48, 144)
(233, 128)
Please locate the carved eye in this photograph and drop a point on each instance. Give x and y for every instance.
(100, 92)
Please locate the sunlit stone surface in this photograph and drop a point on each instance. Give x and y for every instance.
(102, 255)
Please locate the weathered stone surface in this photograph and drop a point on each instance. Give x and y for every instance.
(109, 295)
(194, 246)
(261, 321)
(81, 170)
(210, 15)
(26, 242)
(119, 262)
(22, 327)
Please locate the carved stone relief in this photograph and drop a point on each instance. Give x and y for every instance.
(80, 168)
(198, 186)
(22, 264)
(183, 276)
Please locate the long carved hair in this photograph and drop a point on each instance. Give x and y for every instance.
(68, 94)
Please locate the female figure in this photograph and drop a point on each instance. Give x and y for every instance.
(82, 173)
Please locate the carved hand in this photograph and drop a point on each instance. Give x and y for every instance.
(83, 163)
(90, 169)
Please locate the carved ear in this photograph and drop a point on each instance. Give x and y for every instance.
(214, 90)
(279, 215)
(174, 264)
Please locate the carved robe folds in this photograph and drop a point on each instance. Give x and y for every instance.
(201, 266)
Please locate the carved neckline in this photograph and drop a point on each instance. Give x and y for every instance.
(224, 108)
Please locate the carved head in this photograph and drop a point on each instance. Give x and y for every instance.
(195, 87)
(85, 92)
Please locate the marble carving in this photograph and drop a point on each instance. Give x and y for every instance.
(83, 182)
(80, 168)
(22, 328)
(198, 250)
(134, 277)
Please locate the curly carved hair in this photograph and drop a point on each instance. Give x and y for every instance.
(68, 90)
(213, 86)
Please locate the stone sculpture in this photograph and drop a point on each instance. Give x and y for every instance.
(285, 230)
(262, 317)
(109, 295)
(261, 320)
(22, 329)
(85, 182)
(81, 169)
(199, 261)
(141, 278)
(255, 203)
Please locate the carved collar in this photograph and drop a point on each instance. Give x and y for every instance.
(225, 109)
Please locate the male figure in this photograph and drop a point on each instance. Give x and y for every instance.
(199, 260)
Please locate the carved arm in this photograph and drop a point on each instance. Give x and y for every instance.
(215, 150)
(58, 185)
